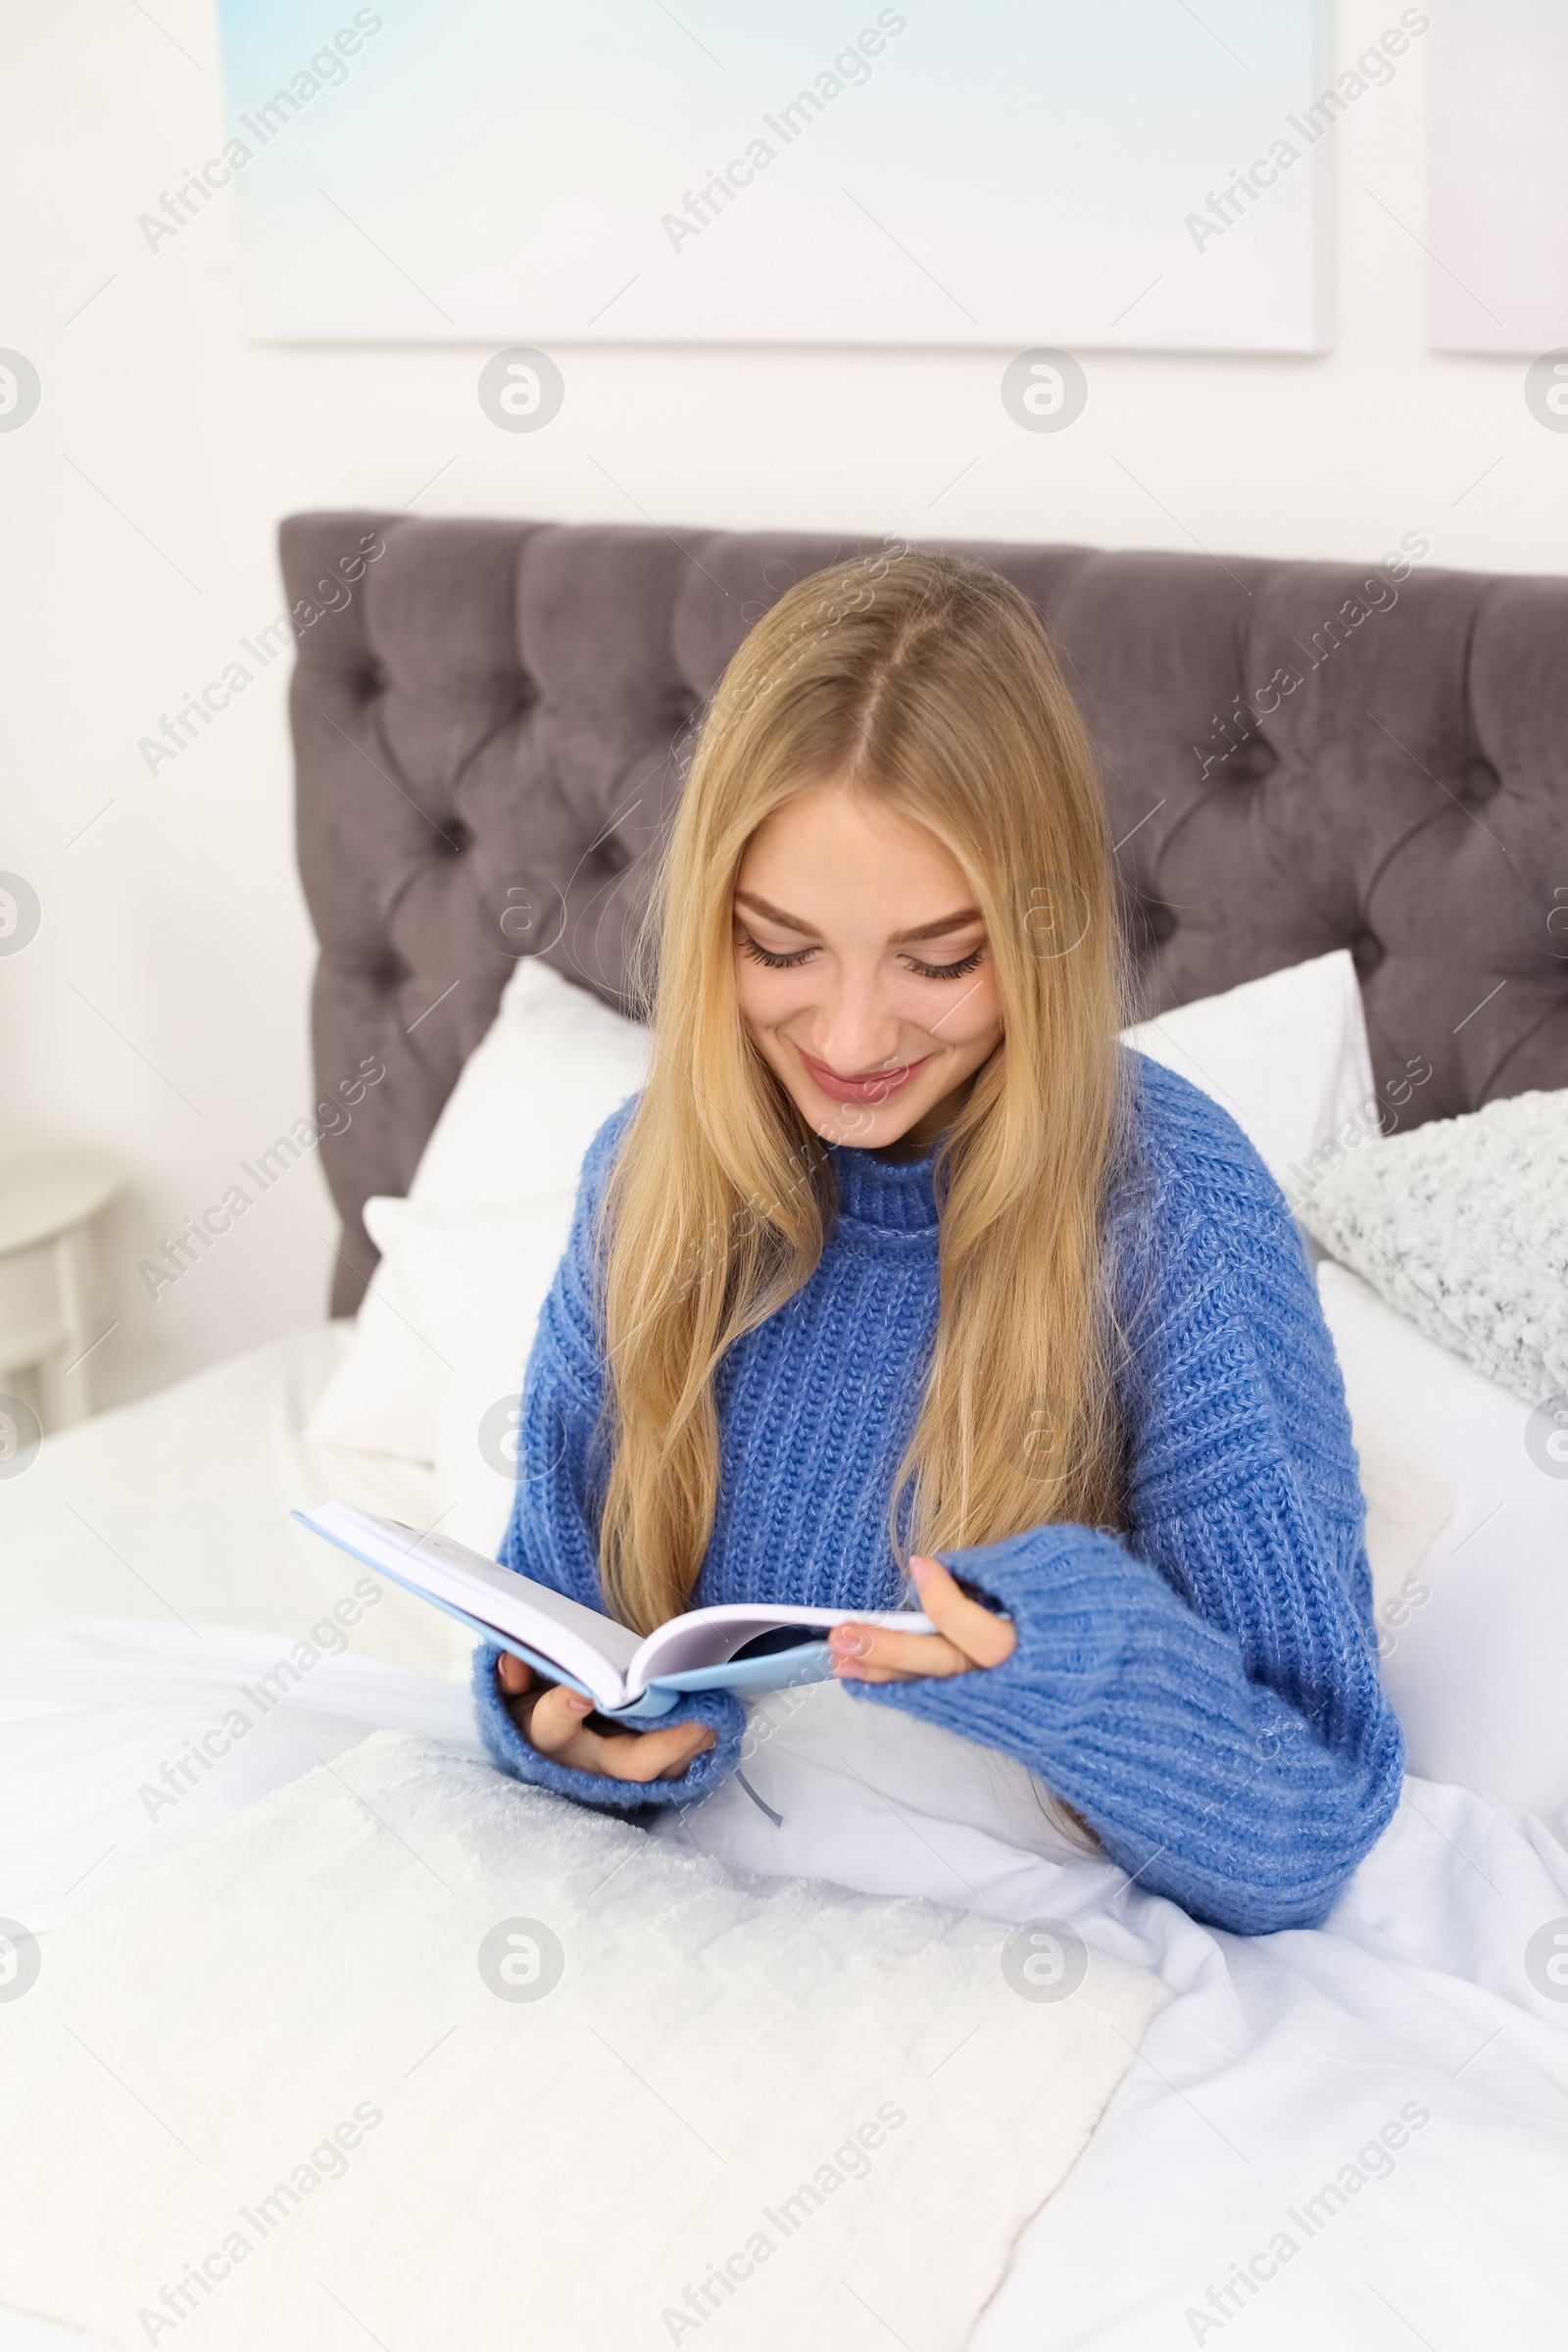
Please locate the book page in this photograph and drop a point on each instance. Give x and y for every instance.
(584, 1642)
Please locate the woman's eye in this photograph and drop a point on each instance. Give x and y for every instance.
(790, 959)
(947, 971)
(775, 962)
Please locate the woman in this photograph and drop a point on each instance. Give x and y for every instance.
(900, 1258)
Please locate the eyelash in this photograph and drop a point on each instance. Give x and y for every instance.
(798, 956)
(948, 971)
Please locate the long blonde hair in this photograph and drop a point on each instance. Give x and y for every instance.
(929, 684)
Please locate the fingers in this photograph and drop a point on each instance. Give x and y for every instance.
(513, 1674)
(555, 1728)
(968, 1635)
(555, 1721)
(985, 1639)
(865, 1654)
(654, 1756)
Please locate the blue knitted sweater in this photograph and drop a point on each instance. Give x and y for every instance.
(1205, 1688)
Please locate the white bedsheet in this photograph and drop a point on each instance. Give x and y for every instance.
(1277, 2062)
(176, 1511)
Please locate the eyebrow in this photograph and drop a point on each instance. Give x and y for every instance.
(939, 929)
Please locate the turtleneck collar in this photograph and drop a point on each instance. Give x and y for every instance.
(891, 1196)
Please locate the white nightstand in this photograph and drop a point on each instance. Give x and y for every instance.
(52, 1312)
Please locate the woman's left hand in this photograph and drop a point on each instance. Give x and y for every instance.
(967, 1635)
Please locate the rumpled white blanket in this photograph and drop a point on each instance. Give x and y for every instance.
(406, 2050)
(1271, 2074)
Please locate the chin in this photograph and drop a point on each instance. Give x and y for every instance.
(866, 1126)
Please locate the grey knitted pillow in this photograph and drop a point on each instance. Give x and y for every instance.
(1462, 1226)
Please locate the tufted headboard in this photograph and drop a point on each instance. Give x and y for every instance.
(484, 708)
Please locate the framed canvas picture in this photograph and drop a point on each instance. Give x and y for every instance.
(1497, 176)
(834, 171)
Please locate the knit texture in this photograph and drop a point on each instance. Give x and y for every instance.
(1205, 1688)
(1462, 1226)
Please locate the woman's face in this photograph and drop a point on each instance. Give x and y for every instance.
(862, 969)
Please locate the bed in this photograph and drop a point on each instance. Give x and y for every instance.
(491, 720)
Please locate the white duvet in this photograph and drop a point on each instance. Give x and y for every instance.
(1355, 2136)
(467, 2061)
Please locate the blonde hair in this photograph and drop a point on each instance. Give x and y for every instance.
(929, 684)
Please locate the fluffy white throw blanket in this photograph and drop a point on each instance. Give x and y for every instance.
(410, 2054)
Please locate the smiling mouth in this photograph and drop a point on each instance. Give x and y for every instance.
(866, 1086)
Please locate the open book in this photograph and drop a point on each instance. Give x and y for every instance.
(747, 1646)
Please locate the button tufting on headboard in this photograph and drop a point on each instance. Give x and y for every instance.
(1298, 756)
(1249, 764)
(1479, 784)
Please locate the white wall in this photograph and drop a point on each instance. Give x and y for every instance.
(162, 1010)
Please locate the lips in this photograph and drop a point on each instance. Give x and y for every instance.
(866, 1086)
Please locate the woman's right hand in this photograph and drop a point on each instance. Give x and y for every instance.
(550, 1718)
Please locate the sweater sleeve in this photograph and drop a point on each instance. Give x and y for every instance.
(1204, 1688)
(551, 1535)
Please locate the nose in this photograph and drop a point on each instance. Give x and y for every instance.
(855, 1030)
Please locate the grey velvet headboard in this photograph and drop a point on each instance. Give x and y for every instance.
(478, 702)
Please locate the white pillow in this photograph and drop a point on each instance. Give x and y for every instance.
(477, 1455)
(533, 1093)
(1463, 1227)
(1474, 1636)
(453, 1306)
(477, 1414)
(528, 1101)
(1286, 1057)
